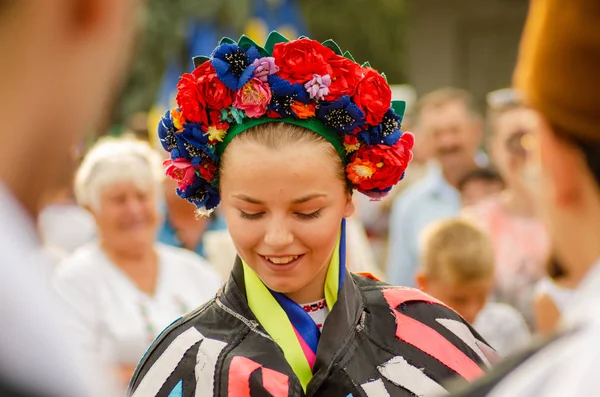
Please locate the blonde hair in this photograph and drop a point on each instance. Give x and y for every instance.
(113, 160)
(442, 97)
(457, 251)
(278, 135)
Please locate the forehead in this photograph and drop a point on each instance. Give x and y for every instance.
(286, 172)
(454, 112)
(520, 119)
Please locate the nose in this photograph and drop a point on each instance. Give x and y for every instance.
(278, 235)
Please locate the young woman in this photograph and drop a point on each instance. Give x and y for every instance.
(281, 136)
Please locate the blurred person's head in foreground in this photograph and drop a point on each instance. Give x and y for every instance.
(557, 74)
(510, 124)
(447, 121)
(479, 185)
(118, 182)
(61, 71)
(457, 266)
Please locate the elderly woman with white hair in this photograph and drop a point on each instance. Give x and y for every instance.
(125, 288)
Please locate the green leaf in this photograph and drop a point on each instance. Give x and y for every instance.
(227, 40)
(384, 76)
(274, 38)
(366, 65)
(199, 60)
(246, 42)
(333, 46)
(399, 107)
(349, 56)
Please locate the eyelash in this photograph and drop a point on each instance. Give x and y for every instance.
(258, 215)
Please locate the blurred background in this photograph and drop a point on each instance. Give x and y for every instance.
(421, 45)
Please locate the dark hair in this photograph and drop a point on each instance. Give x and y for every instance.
(485, 174)
(554, 268)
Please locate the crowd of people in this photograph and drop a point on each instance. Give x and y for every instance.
(284, 270)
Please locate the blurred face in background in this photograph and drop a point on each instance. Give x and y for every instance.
(452, 134)
(477, 190)
(126, 215)
(466, 297)
(511, 130)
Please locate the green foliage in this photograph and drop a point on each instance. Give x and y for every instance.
(372, 30)
(164, 37)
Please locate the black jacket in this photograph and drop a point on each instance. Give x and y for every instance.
(377, 339)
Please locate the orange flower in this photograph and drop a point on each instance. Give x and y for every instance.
(303, 111)
(360, 170)
(178, 119)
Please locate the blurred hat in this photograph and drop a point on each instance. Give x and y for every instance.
(558, 70)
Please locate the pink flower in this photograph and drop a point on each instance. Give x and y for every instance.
(318, 87)
(264, 68)
(253, 98)
(180, 170)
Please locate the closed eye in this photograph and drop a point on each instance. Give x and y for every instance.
(246, 215)
(312, 215)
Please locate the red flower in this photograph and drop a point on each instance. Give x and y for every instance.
(215, 94)
(379, 167)
(299, 60)
(192, 105)
(373, 96)
(201, 91)
(345, 76)
(208, 171)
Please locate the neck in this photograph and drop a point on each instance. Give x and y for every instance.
(22, 193)
(453, 174)
(131, 256)
(517, 204)
(312, 292)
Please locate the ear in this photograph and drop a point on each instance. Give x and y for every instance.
(421, 281)
(349, 206)
(563, 167)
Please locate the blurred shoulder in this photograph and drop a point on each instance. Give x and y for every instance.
(86, 261)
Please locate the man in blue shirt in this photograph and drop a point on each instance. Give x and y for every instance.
(446, 119)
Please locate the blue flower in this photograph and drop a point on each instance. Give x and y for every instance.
(234, 65)
(193, 144)
(341, 115)
(166, 132)
(285, 94)
(387, 132)
(201, 194)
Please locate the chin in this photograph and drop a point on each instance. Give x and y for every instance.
(281, 284)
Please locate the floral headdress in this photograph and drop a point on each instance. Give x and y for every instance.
(300, 82)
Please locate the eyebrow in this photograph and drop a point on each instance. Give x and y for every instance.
(297, 201)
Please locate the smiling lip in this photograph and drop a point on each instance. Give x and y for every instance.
(281, 263)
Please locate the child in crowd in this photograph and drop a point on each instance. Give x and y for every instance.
(478, 185)
(457, 267)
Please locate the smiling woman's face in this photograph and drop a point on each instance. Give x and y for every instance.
(284, 209)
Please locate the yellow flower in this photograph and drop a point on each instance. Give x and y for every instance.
(215, 134)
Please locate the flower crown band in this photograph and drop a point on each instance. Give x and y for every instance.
(300, 82)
